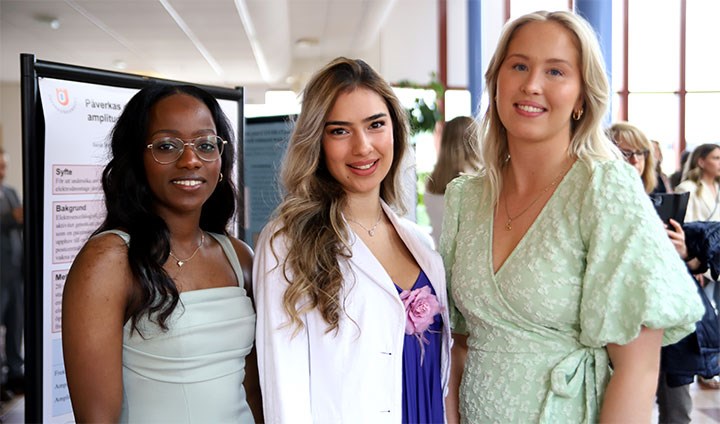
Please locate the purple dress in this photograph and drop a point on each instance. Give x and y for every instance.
(422, 394)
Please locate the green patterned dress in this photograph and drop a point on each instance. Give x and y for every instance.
(593, 268)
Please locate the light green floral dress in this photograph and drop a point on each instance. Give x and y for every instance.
(593, 268)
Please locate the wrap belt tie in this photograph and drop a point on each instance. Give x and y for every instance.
(585, 367)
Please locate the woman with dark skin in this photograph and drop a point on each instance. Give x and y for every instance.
(158, 321)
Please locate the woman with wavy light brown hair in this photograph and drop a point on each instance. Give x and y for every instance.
(352, 305)
(702, 180)
(459, 153)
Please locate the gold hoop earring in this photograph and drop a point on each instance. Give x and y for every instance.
(221, 177)
(577, 114)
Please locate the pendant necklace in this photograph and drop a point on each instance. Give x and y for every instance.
(553, 183)
(371, 230)
(181, 262)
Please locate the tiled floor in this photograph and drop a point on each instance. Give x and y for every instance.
(706, 408)
(706, 405)
(13, 412)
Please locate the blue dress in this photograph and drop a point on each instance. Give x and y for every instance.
(422, 395)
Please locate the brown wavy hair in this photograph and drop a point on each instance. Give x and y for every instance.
(692, 170)
(310, 215)
(459, 152)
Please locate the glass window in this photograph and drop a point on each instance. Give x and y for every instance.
(657, 116)
(521, 7)
(457, 103)
(615, 111)
(700, 126)
(618, 59)
(653, 45)
(703, 32)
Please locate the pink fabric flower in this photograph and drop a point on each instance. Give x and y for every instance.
(421, 306)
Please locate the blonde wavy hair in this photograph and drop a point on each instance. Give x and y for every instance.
(459, 152)
(310, 215)
(588, 140)
(624, 132)
(692, 170)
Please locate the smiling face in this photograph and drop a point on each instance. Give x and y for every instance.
(358, 141)
(184, 185)
(539, 84)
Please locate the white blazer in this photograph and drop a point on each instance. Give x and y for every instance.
(354, 375)
(703, 207)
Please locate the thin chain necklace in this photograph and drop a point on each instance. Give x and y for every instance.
(553, 183)
(181, 262)
(371, 230)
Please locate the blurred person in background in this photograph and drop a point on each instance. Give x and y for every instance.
(11, 286)
(663, 182)
(458, 153)
(676, 177)
(681, 361)
(702, 179)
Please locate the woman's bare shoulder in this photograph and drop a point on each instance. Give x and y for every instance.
(102, 264)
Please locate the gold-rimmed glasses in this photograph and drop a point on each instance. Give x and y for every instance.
(167, 150)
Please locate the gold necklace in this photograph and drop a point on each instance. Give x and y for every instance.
(181, 262)
(510, 219)
(371, 231)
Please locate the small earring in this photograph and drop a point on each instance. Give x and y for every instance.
(577, 114)
(221, 177)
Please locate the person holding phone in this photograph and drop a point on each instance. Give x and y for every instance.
(673, 392)
(701, 179)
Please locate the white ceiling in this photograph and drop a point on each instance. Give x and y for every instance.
(218, 42)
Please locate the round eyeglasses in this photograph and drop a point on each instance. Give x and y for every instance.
(167, 150)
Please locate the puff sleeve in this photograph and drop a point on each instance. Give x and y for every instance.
(633, 276)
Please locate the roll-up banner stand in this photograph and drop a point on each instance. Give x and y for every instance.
(67, 114)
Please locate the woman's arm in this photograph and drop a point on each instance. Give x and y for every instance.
(251, 383)
(631, 391)
(95, 299)
(457, 365)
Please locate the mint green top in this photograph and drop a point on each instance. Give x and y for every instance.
(594, 267)
(194, 371)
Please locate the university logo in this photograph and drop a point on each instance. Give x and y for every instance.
(61, 100)
(62, 96)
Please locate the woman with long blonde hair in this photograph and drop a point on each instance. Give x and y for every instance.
(352, 304)
(556, 261)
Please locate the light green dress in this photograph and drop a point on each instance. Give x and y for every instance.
(593, 268)
(194, 372)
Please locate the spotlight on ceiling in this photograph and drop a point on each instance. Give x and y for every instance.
(120, 64)
(306, 42)
(52, 21)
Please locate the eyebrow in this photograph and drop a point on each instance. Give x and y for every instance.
(551, 60)
(368, 119)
